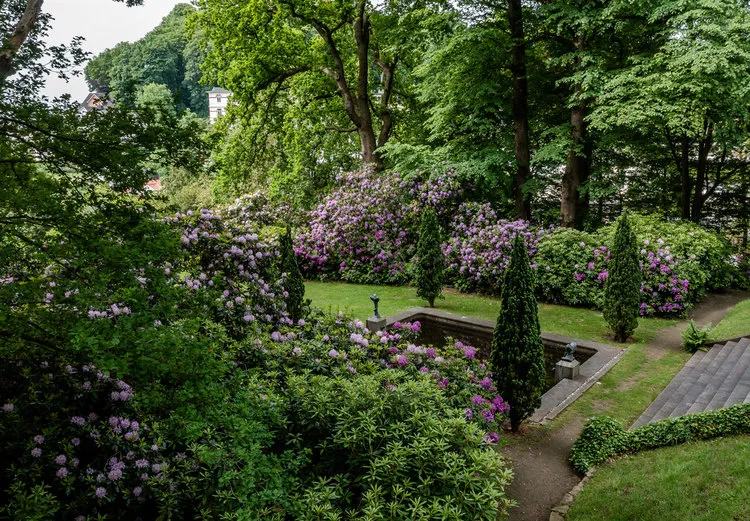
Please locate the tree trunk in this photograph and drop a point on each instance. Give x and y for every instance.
(704, 148)
(574, 206)
(685, 178)
(745, 211)
(12, 43)
(520, 110)
(369, 147)
(366, 131)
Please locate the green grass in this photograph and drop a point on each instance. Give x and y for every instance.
(628, 388)
(585, 324)
(700, 481)
(623, 393)
(736, 323)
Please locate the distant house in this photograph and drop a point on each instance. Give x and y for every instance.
(97, 101)
(152, 185)
(218, 99)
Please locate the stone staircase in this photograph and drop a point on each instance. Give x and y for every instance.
(711, 380)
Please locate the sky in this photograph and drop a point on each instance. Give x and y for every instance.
(104, 23)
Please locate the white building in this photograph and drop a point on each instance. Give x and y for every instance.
(218, 99)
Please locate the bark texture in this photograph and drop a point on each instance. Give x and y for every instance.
(520, 110)
(12, 43)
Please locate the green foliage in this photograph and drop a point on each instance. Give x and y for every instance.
(291, 275)
(622, 292)
(167, 55)
(186, 190)
(397, 449)
(517, 350)
(430, 260)
(680, 261)
(694, 338)
(603, 438)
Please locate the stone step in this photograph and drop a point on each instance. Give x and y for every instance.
(689, 381)
(708, 393)
(703, 381)
(695, 361)
(741, 390)
(735, 376)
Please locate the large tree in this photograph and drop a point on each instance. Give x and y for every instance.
(585, 39)
(344, 58)
(689, 93)
(66, 175)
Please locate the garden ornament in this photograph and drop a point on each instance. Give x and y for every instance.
(569, 350)
(375, 299)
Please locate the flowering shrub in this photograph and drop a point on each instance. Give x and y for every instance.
(350, 390)
(230, 270)
(362, 232)
(365, 231)
(190, 312)
(256, 209)
(77, 449)
(479, 246)
(680, 263)
(342, 347)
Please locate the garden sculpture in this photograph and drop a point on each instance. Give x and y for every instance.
(375, 299)
(569, 350)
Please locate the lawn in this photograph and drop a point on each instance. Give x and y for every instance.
(736, 323)
(585, 324)
(700, 481)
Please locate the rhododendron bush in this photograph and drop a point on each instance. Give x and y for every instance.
(365, 230)
(478, 248)
(159, 374)
(680, 263)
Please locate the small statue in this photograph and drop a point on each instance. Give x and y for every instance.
(569, 350)
(375, 299)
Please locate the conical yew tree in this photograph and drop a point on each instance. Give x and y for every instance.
(622, 295)
(430, 259)
(517, 348)
(294, 283)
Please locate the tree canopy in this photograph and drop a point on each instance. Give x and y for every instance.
(167, 55)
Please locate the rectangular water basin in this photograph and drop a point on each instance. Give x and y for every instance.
(596, 359)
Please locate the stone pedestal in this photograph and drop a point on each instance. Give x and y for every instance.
(565, 369)
(375, 324)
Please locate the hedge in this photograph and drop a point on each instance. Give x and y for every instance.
(603, 437)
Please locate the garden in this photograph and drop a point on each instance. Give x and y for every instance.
(215, 349)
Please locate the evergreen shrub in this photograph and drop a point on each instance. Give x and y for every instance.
(517, 349)
(603, 437)
(430, 263)
(622, 291)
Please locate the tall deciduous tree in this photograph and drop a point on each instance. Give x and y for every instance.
(520, 109)
(688, 91)
(622, 295)
(278, 57)
(517, 350)
(167, 55)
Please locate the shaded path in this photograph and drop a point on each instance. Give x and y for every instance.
(539, 456)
